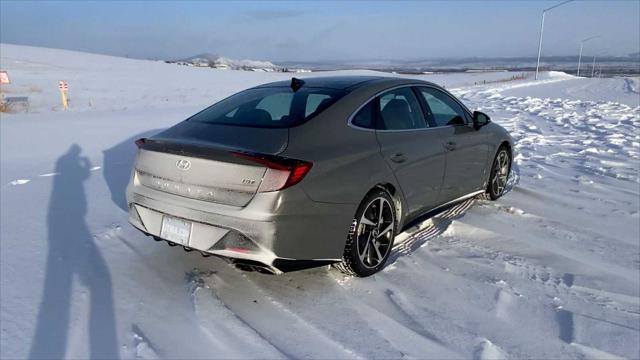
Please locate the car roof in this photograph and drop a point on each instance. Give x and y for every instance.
(349, 82)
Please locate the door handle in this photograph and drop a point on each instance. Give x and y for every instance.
(398, 158)
(450, 145)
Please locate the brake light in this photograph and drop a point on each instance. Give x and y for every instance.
(140, 142)
(281, 172)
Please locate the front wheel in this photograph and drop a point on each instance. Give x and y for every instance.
(371, 236)
(499, 174)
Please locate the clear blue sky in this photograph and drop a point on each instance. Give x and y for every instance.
(322, 30)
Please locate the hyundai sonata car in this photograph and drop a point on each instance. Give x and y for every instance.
(295, 174)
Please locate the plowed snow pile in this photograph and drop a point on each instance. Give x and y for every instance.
(551, 270)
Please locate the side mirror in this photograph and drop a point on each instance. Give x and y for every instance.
(480, 119)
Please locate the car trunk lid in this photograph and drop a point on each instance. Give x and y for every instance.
(197, 161)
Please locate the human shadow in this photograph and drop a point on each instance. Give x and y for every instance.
(73, 252)
(117, 164)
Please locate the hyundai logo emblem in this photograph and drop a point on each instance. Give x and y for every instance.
(183, 164)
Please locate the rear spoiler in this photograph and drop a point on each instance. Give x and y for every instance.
(196, 150)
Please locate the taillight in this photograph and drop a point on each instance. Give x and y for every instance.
(140, 142)
(298, 173)
(281, 172)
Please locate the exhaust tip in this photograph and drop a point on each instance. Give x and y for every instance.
(244, 267)
(250, 266)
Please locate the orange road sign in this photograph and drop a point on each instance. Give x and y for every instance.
(4, 77)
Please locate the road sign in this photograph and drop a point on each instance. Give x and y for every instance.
(62, 85)
(4, 77)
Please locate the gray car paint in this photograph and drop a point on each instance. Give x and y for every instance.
(311, 220)
(417, 162)
(466, 164)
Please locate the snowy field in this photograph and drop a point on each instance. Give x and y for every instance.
(551, 270)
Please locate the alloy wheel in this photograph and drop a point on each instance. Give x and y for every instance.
(375, 232)
(501, 173)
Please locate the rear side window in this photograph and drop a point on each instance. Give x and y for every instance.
(400, 110)
(270, 107)
(365, 116)
(314, 101)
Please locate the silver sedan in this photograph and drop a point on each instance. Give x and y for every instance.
(301, 173)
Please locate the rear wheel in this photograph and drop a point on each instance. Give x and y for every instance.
(499, 174)
(371, 236)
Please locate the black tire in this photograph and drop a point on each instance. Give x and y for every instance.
(498, 178)
(362, 254)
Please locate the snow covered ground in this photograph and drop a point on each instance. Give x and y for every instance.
(551, 270)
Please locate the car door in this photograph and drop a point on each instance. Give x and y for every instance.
(410, 147)
(466, 148)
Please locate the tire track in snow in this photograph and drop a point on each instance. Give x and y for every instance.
(407, 311)
(393, 318)
(556, 282)
(402, 337)
(545, 280)
(250, 302)
(224, 327)
(539, 282)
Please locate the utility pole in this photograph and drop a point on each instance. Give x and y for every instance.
(544, 12)
(540, 44)
(580, 56)
(593, 66)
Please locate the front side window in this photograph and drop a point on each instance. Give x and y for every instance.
(442, 109)
(270, 107)
(400, 110)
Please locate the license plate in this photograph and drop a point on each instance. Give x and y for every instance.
(176, 230)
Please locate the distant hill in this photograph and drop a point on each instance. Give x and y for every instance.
(613, 65)
(221, 62)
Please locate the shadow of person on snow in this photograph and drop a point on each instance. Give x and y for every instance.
(73, 252)
(117, 164)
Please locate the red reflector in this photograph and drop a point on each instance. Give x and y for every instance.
(297, 174)
(239, 250)
(140, 142)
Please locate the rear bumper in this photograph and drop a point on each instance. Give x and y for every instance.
(282, 230)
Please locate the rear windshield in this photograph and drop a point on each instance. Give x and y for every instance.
(271, 107)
